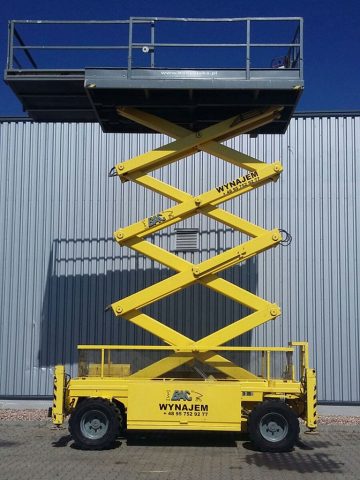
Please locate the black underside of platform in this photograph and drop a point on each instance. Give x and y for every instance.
(194, 104)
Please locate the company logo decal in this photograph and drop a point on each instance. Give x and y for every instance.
(184, 402)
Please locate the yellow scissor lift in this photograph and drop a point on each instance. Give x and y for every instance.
(111, 394)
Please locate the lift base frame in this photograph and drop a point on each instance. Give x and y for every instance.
(190, 404)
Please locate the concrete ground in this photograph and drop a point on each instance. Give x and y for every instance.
(34, 450)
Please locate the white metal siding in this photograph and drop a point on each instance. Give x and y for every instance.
(59, 267)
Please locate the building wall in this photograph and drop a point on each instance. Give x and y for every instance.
(59, 267)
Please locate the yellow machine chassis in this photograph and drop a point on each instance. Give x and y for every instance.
(229, 400)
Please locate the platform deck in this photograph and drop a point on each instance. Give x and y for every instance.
(192, 97)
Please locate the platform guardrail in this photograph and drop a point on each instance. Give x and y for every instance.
(148, 42)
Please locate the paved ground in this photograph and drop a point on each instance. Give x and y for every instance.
(33, 450)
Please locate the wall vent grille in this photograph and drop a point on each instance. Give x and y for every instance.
(186, 239)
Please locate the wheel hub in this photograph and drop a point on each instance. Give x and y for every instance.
(274, 427)
(94, 424)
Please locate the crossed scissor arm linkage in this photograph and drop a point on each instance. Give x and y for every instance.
(259, 173)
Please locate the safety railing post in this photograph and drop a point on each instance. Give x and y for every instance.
(248, 40)
(10, 53)
(130, 47)
(152, 38)
(301, 41)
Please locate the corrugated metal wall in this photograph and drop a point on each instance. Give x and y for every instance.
(59, 266)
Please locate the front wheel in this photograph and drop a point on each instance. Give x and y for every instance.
(95, 424)
(273, 427)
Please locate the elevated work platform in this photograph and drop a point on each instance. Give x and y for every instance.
(229, 68)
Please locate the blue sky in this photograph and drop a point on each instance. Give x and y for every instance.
(331, 51)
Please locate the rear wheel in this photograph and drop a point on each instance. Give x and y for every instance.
(273, 427)
(95, 424)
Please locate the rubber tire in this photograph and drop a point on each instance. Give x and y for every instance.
(273, 406)
(113, 416)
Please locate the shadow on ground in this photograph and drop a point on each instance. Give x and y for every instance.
(7, 444)
(184, 439)
(305, 458)
(67, 440)
(296, 461)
